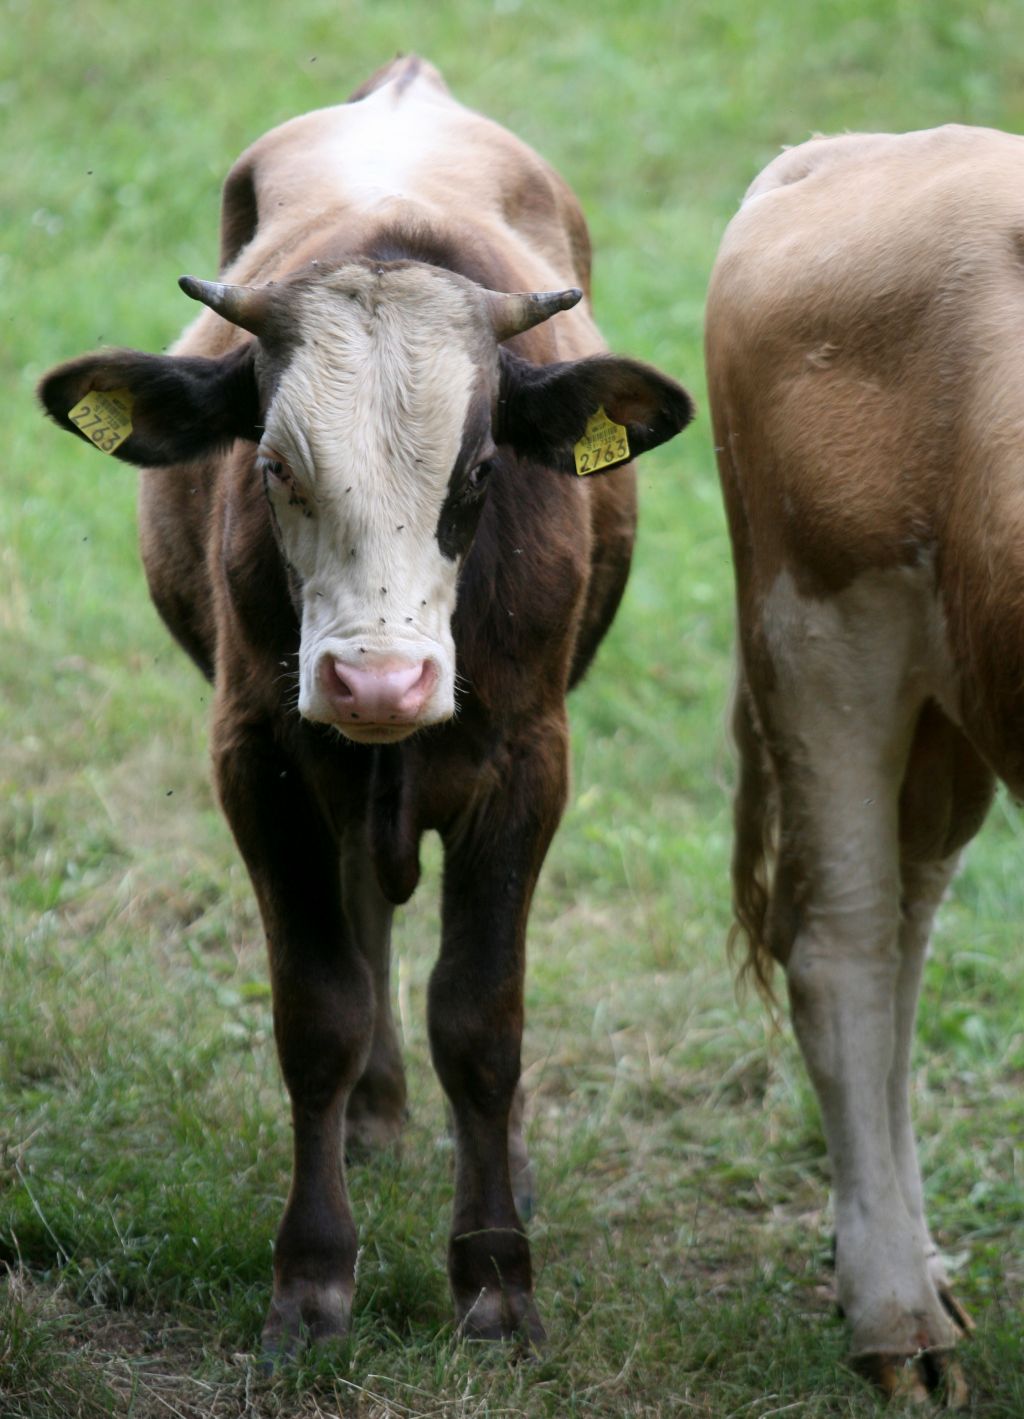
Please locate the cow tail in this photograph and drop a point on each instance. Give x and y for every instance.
(755, 828)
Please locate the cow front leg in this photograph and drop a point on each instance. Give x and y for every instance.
(377, 1104)
(323, 1014)
(492, 859)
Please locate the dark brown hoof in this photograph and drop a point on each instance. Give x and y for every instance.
(369, 1135)
(503, 1315)
(931, 1377)
(304, 1314)
(374, 1119)
(376, 1113)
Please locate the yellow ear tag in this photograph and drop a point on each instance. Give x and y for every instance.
(603, 444)
(105, 416)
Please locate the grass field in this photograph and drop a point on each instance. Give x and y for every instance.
(683, 1233)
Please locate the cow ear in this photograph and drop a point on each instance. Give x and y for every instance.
(155, 410)
(543, 410)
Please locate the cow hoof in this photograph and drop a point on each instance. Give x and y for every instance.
(368, 1134)
(503, 1315)
(302, 1314)
(376, 1114)
(931, 1377)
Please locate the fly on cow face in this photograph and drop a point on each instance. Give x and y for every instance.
(378, 381)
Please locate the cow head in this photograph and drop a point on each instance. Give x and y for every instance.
(378, 395)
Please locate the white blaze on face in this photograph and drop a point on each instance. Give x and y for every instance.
(367, 417)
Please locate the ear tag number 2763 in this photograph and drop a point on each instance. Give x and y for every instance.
(603, 444)
(105, 417)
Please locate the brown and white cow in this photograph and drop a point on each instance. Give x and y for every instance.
(361, 517)
(865, 372)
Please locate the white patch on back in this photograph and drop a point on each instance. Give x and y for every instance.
(385, 147)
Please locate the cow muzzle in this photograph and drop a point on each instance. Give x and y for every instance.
(377, 700)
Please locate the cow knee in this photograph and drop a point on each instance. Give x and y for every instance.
(475, 1051)
(835, 993)
(323, 1037)
(476, 1067)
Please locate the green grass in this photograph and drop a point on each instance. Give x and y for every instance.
(682, 1236)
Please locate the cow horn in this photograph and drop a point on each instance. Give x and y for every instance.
(246, 306)
(512, 314)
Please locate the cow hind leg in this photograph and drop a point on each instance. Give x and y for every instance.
(524, 1186)
(923, 885)
(755, 828)
(376, 1109)
(844, 975)
(945, 795)
(840, 741)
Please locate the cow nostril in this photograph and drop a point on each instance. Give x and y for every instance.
(387, 690)
(428, 678)
(333, 676)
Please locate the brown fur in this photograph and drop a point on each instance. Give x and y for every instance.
(879, 345)
(539, 586)
(864, 370)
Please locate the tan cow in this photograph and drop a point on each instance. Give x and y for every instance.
(864, 334)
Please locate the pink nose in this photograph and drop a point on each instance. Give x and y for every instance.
(385, 692)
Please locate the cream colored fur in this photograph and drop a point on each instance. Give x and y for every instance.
(369, 416)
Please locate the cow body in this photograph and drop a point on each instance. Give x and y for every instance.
(865, 380)
(361, 527)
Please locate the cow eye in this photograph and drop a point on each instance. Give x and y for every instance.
(479, 474)
(272, 466)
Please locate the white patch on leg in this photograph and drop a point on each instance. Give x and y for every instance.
(851, 672)
(923, 888)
